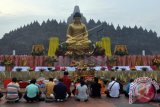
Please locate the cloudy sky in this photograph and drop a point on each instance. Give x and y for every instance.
(16, 13)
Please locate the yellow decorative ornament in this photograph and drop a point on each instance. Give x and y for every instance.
(53, 46)
(106, 45)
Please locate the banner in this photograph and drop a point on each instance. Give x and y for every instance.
(106, 44)
(53, 46)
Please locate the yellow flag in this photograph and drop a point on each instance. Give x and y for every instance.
(53, 46)
(106, 45)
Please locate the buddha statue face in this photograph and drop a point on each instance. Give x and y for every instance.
(77, 19)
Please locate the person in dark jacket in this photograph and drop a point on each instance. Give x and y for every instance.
(95, 88)
(60, 91)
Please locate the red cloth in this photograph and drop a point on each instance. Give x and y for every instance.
(67, 82)
(23, 84)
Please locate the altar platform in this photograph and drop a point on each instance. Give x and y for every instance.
(33, 61)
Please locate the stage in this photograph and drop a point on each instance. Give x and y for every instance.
(33, 61)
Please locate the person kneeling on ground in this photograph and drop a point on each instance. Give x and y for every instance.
(13, 91)
(49, 88)
(60, 91)
(32, 92)
(82, 91)
(95, 88)
(67, 82)
(113, 89)
(128, 87)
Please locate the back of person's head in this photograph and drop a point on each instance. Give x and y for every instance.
(78, 80)
(81, 78)
(131, 80)
(112, 78)
(51, 79)
(60, 80)
(14, 79)
(96, 79)
(82, 81)
(56, 81)
(33, 81)
(65, 73)
(118, 80)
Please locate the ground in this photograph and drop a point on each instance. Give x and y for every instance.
(103, 102)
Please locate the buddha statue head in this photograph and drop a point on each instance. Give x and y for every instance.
(77, 17)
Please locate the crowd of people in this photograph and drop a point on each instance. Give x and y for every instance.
(60, 89)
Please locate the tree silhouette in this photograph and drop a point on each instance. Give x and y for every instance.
(22, 38)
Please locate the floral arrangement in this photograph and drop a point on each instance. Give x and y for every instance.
(121, 53)
(38, 50)
(133, 68)
(74, 63)
(99, 51)
(156, 61)
(7, 62)
(112, 60)
(91, 64)
(50, 60)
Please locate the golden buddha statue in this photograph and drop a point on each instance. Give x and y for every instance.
(77, 35)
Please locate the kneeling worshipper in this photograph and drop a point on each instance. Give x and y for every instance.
(67, 82)
(49, 88)
(82, 91)
(13, 91)
(113, 89)
(95, 88)
(128, 87)
(60, 91)
(32, 92)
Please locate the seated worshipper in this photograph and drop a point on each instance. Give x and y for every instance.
(60, 91)
(1, 94)
(56, 81)
(76, 84)
(121, 86)
(67, 82)
(128, 88)
(32, 92)
(13, 91)
(103, 88)
(95, 88)
(113, 89)
(82, 91)
(49, 88)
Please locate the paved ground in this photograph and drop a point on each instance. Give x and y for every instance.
(103, 102)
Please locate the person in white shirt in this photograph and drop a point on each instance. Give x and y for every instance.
(82, 91)
(113, 89)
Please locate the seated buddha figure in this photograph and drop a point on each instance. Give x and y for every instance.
(77, 35)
